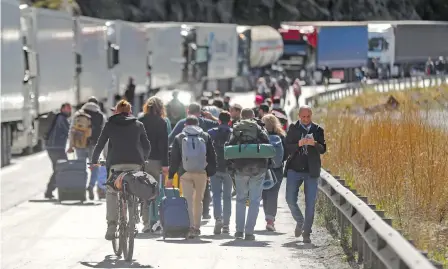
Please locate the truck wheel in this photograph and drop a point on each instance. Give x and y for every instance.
(5, 145)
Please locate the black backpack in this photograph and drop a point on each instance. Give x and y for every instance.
(97, 125)
(46, 124)
(219, 138)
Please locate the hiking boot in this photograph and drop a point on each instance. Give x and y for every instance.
(306, 238)
(146, 228)
(249, 237)
(90, 191)
(218, 226)
(111, 230)
(225, 229)
(239, 235)
(101, 193)
(270, 226)
(298, 230)
(206, 216)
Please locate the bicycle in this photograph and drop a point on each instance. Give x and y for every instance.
(128, 216)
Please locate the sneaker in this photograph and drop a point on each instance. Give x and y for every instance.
(191, 233)
(101, 193)
(197, 232)
(298, 230)
(111, 230)
(270, 226)
(218, 226)
(239, 235)
(225, 229)
(306, 239)
(48, 195)
(206, 216)
(90, 191)
(233, 193)
(146, 228)
(249, 237)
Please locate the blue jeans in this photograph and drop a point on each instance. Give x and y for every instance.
(252, 187)
(293, 182)
(221, 184)
(270, 197)
(87, 154)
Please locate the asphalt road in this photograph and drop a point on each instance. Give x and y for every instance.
(39, 234)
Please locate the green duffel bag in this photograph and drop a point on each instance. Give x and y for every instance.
(249, 151)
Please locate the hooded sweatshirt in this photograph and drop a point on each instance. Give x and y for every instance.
(128, 143)
(176, 152)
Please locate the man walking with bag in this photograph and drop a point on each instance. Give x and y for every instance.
(249, 174)
(193, 158)
(305, 142)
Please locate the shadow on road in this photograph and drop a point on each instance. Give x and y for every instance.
(268, 233)
(299, 245)
(148, 236)
(218, 237)
(246, 243)
(192, 241)
(111, 261)
(43, 201)
(79, 204)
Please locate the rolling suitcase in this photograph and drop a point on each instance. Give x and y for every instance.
(71, 180)
(154, 206)
(173, 211)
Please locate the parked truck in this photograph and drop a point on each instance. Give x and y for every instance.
(315, 51)
(390, 54)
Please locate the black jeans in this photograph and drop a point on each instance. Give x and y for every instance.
(270, 197)
(207, 200)
(55, 155)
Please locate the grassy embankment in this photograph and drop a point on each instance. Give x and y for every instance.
(400, 163)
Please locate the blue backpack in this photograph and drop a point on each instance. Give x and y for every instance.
(276, 142)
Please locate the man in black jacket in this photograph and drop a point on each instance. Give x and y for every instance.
(129, 147)
(193, 181)
(249, 176)
(305, 142)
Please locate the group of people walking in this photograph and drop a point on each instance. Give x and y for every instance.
(197, 145)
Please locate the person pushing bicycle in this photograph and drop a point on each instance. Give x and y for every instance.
(128, 149)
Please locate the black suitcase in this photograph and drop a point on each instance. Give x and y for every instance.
(71, 180)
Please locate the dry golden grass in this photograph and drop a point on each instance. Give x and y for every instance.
(400, 163)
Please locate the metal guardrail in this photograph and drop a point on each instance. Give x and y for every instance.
(380, 86)
(376, 243)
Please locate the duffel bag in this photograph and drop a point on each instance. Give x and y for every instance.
(142, 185)
(249, 151)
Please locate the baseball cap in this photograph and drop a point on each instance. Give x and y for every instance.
(258, 99)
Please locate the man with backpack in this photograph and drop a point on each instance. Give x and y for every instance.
(84, 133)
(55, 142)
(249, 173)
(193, 158)
(221, 182)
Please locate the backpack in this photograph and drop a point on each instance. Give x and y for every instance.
(277, 160)
(81, 130)
(97, 124)
(194, 151)
(219, 137)
(46, 124)
(246, 131)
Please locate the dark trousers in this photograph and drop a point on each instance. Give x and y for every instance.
(55, 155)
(207, 200)
(270, 197)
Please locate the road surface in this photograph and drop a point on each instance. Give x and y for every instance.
(39, 234)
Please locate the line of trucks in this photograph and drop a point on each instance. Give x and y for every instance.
(340, 50)
(49, 57)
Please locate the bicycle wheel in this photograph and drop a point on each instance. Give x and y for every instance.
(116, 244)
(123, 225)
(130, 229)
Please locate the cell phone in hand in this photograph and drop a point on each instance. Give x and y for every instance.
(309, 136)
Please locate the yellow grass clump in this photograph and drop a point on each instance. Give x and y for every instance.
(401, 164)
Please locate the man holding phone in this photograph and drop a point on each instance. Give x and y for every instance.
(305, 142)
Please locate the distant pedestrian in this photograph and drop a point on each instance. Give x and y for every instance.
(56, 141)
(305, 142)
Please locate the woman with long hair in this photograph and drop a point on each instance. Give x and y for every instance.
(270, 196)
(153, 119)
